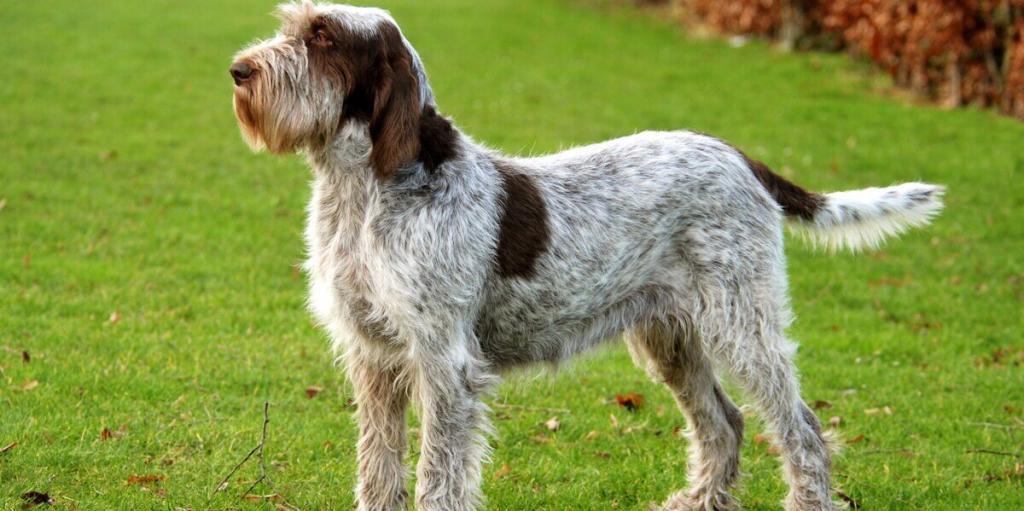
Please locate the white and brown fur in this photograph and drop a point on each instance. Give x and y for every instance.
(436, 263)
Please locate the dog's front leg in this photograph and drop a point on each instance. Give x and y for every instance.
(450, 382)
(382, 396)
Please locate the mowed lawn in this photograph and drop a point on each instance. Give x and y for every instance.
(149, 282)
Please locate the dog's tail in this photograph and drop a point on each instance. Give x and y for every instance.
(855, 219)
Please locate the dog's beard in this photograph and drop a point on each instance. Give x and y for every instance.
(277, 121)
(249, 119)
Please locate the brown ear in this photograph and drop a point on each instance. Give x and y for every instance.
(395, 122)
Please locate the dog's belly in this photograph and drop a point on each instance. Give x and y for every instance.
(519, 325)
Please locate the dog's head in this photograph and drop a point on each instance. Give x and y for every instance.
(329, 65)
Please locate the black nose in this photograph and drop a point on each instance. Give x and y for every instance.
(240, 72)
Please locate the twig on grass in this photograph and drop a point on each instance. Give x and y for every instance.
(509, 406)
(258, 452)
(902, 452)
(997, 453)
(995, 426)
(8, 447)
(280, 502)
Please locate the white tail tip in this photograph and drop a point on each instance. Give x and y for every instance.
(860, 219)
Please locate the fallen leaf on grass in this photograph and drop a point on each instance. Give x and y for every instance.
(35, 498)
(765, 439)
(25, 357)
(591, 436)
(29, 385)
(855, 440)
(603, 454)
(541, 439)
(630, 401)
(679, 432)
(552, 424)
(614, 420)
(145, 479)
(878, 411)
(114, 317)
(313, 390)
(835, 421)
(503, 471)
(8, 447)
(108, 433)
(1000, 358)
(635, 429)
(821, 404)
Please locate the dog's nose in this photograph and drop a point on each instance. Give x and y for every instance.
(240, 72)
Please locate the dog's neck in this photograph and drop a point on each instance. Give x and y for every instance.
(344, 187)
(347, 155)
(344, 181)
(346, 184)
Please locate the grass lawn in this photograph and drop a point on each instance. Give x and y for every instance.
(148, 264)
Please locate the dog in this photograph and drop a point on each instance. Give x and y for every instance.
(435, 263)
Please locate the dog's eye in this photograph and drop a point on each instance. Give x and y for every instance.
(321, 39)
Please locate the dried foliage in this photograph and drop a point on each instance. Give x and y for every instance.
(759, 17)
(954, 51)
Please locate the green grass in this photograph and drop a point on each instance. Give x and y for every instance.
(127, 188)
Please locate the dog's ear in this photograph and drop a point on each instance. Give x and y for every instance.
(395, 120)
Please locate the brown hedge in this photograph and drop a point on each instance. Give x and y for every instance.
(954, 51)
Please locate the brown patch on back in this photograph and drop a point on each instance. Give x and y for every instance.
(524, 231)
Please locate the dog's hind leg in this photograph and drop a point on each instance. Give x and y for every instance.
(760, 356)
(715, 424)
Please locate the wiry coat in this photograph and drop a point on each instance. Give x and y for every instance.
(435, 263)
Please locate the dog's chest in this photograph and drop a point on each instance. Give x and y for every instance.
(339, 271)
(338, 292)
